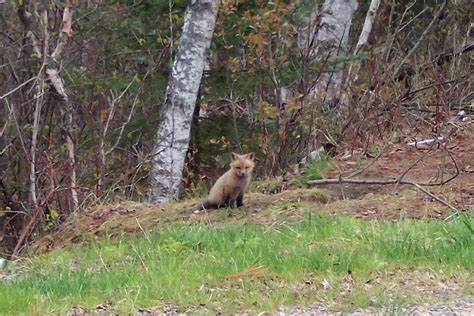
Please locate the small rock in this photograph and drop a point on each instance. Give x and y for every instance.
(3, 263)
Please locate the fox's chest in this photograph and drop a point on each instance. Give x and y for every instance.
(236, 188)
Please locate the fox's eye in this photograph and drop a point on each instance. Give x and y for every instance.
(238, 168)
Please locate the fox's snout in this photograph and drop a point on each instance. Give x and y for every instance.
(241, 173)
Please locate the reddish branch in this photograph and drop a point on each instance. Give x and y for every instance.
(34, 220)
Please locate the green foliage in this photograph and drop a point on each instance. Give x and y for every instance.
(183, 265)
(49, 218)
(315, 170)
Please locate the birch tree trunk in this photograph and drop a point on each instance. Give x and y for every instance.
(324, 33)
(363, 39)
(368, 23)
(174, 129)
(336, 23)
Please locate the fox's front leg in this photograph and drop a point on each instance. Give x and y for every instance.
(228, 202)
(240, 199)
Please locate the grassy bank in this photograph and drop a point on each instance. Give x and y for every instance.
(246, 267)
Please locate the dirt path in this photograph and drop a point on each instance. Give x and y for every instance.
(463, 306)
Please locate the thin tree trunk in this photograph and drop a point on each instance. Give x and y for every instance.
(37, 118)
(173, 135)
(363, 39)
(34, 140)
(51, 65)
(368, 23)
(52, 70)
(25, 18)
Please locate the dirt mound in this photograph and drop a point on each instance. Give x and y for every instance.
(366, 201)
(136, 217)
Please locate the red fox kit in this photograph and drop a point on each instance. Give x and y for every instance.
(230, 187)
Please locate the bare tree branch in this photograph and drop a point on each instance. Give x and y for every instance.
(17, 88)
(422, 36)
(399, 180)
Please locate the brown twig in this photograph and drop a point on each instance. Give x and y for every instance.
(34, 220)
(399, 180)
(422, 37)
(18, 87)
(435, 197)
(359, 181)
(26, 232)
(455, 165)
(417, 161)
(385, 182)
(432, 85)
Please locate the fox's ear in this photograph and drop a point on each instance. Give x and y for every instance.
(251, 156)
(233, 156)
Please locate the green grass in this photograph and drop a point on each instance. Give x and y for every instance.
(187, 265)
(315, 170)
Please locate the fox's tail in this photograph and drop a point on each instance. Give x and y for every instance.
(205, 205)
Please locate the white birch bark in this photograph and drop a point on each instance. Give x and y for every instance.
(368, 23)
(173, 135)
(353, 74)
(336, 23)
(325, 32)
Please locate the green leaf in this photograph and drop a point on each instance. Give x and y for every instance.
(54, 214)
